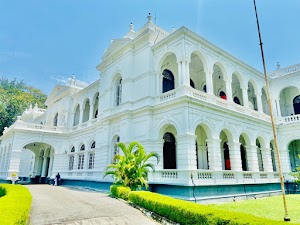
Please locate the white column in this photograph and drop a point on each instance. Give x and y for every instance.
(228, 90)
(91, 111)
(185, 73)
(13, 162)
(245, 97)
(50, 166)
(44, 166)
(180, 80)
(186, 152)
(214, 154)
(235, 156)
(209, 83)
(277, 102)
(80, 115)
(159, 148)
(252, 158)
(267, 159)
(285, 161)
(259, 103)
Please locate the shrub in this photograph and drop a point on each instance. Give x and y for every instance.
(187, 213)
(120, 191)
(130, 168)
(14, 205)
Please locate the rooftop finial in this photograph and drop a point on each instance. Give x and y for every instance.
(173, 29)
(73, 76)
(278, 65)
(131, 27)
(149, 17)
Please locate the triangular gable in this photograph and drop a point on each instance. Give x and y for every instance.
(57, 91)
(115, 45)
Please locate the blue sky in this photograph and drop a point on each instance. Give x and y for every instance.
(42, 41)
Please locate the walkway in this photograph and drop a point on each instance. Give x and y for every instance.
(61, 205)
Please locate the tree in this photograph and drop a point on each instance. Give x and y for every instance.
(130, 169)
(15, 97)
(296, 173)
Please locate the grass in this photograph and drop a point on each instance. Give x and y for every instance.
(271, 207)
(14, 204)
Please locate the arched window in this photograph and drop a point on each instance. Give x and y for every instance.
(223, 95)
(55, 120)
(71, 159)
(115, 148)
(226, 156)
(296, 103)
(204, 88)
(169, 151)
(82, 148)
(243, 157)
(168, 81)
(236, 100)
(93, 145)
(119, 92)
(192, 83)
(92, 156)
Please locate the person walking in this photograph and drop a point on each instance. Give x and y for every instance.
(57, 179)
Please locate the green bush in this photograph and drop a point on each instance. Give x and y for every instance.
(120, 191)
(2, 191)
(14, 205)
(187, 213)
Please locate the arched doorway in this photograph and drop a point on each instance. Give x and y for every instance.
(242, 141)
(169, 151)
(168, 81)
(259, 156)
(36, 163)
(296, 104)
(294, 152)
(201, 148)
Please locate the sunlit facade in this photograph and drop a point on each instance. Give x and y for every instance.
(201, 109)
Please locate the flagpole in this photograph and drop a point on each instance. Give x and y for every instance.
(286, 217)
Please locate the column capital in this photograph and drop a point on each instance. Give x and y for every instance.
(213, 140)
(266, 149)
(234, 144)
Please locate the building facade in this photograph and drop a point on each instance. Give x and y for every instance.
(202, 110)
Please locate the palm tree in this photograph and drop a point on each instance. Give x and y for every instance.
(131, 168)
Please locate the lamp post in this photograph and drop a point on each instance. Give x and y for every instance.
(286, 217)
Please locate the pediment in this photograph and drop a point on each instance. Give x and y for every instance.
(115, 45)
(57, 91)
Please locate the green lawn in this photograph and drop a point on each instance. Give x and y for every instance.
(271, 207)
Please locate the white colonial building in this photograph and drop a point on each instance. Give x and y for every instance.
(203, 110)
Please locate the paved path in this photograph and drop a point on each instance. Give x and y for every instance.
(61, 205)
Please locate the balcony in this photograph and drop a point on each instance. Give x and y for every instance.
(290, 119)
(20, 125)
(210, 177)
(212, 100)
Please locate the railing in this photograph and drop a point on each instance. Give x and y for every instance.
(290, 119)
(285, 71)
(31, 126)
(212, 99)
(210, 177)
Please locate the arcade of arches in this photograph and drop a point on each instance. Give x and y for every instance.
(219, 153)
(41, 162)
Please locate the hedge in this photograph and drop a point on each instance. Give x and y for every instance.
(187, 213)
(14, 204)
(120, 191)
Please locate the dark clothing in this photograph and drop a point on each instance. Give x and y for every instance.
(57, 179)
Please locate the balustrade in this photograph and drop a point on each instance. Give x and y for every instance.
(207, 177)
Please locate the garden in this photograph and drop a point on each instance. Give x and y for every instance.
(130, 171)
(15, 202)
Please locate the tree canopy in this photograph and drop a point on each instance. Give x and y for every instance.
(15, 97)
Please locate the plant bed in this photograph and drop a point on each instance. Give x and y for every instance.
(14, 204)
(187, 213)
